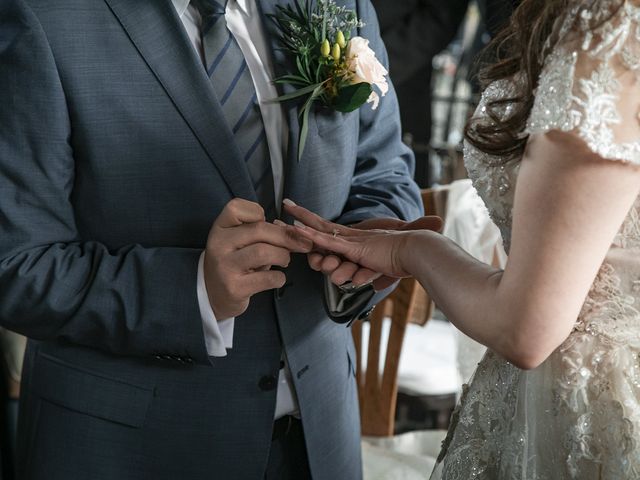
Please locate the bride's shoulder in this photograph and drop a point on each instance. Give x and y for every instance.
(590, 83)
(593, 12)
(595, 21)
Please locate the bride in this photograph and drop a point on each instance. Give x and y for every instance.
(554, 150)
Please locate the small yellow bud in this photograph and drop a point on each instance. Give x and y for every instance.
(340, 40)
(335, 52)
(325, 48)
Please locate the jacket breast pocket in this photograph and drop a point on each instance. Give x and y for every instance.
(90, 393)
(328, 121)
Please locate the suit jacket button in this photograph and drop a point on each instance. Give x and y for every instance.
(268, 382)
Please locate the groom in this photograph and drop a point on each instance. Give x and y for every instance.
(141, 165)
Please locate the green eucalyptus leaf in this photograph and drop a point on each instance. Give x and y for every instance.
(352, 97)
(291, 79)
(301, 69)
(298, 93)
(301, 11)
(318, 72)
(304, 129)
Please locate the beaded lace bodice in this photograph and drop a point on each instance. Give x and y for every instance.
(578, 415)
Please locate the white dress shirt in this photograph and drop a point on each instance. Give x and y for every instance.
(245, 23)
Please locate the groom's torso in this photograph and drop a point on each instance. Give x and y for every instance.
(154, 164)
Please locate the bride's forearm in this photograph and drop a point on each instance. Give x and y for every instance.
(465, 289)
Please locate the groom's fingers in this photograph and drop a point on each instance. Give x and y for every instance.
(330, 263)
(344, 273)
(262, 232)
(364, 276)
(315, 261)
(260, 256)
(254, 283)
(239, 211)
(383, 283)
(430, 222)
(381, 224)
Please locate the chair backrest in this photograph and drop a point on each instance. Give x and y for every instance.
(409, 303)
(378, 392)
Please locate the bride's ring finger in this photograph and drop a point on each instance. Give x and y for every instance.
(305, 218)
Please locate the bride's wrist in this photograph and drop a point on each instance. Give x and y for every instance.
(415, 246)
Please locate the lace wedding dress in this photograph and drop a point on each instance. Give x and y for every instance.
(577, 416)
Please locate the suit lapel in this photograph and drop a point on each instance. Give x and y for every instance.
(155, 30)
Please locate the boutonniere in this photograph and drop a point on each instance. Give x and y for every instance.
(332, 68)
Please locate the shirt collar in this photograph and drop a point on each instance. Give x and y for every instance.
(181, 5)
(243, 5)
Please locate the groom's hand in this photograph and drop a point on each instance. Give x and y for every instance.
(241, 250)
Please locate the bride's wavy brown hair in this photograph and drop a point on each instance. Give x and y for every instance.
(519, 50)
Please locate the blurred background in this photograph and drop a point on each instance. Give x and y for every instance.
(433, 50)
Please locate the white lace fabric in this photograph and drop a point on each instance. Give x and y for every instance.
(577, 416)
(589, 84)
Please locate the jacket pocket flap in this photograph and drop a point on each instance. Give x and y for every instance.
(90, 393)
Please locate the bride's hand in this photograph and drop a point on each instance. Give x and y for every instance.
(374, 250)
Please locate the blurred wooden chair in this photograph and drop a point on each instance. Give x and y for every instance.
(378, 394)
(409, 302)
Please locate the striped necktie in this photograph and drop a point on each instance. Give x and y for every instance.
(233, 85)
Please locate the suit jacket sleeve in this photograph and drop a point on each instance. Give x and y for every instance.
(383, 183)
(54, 284)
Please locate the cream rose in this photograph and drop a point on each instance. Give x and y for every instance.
(365, 67)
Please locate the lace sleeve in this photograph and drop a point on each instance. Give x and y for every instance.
(590, 83)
